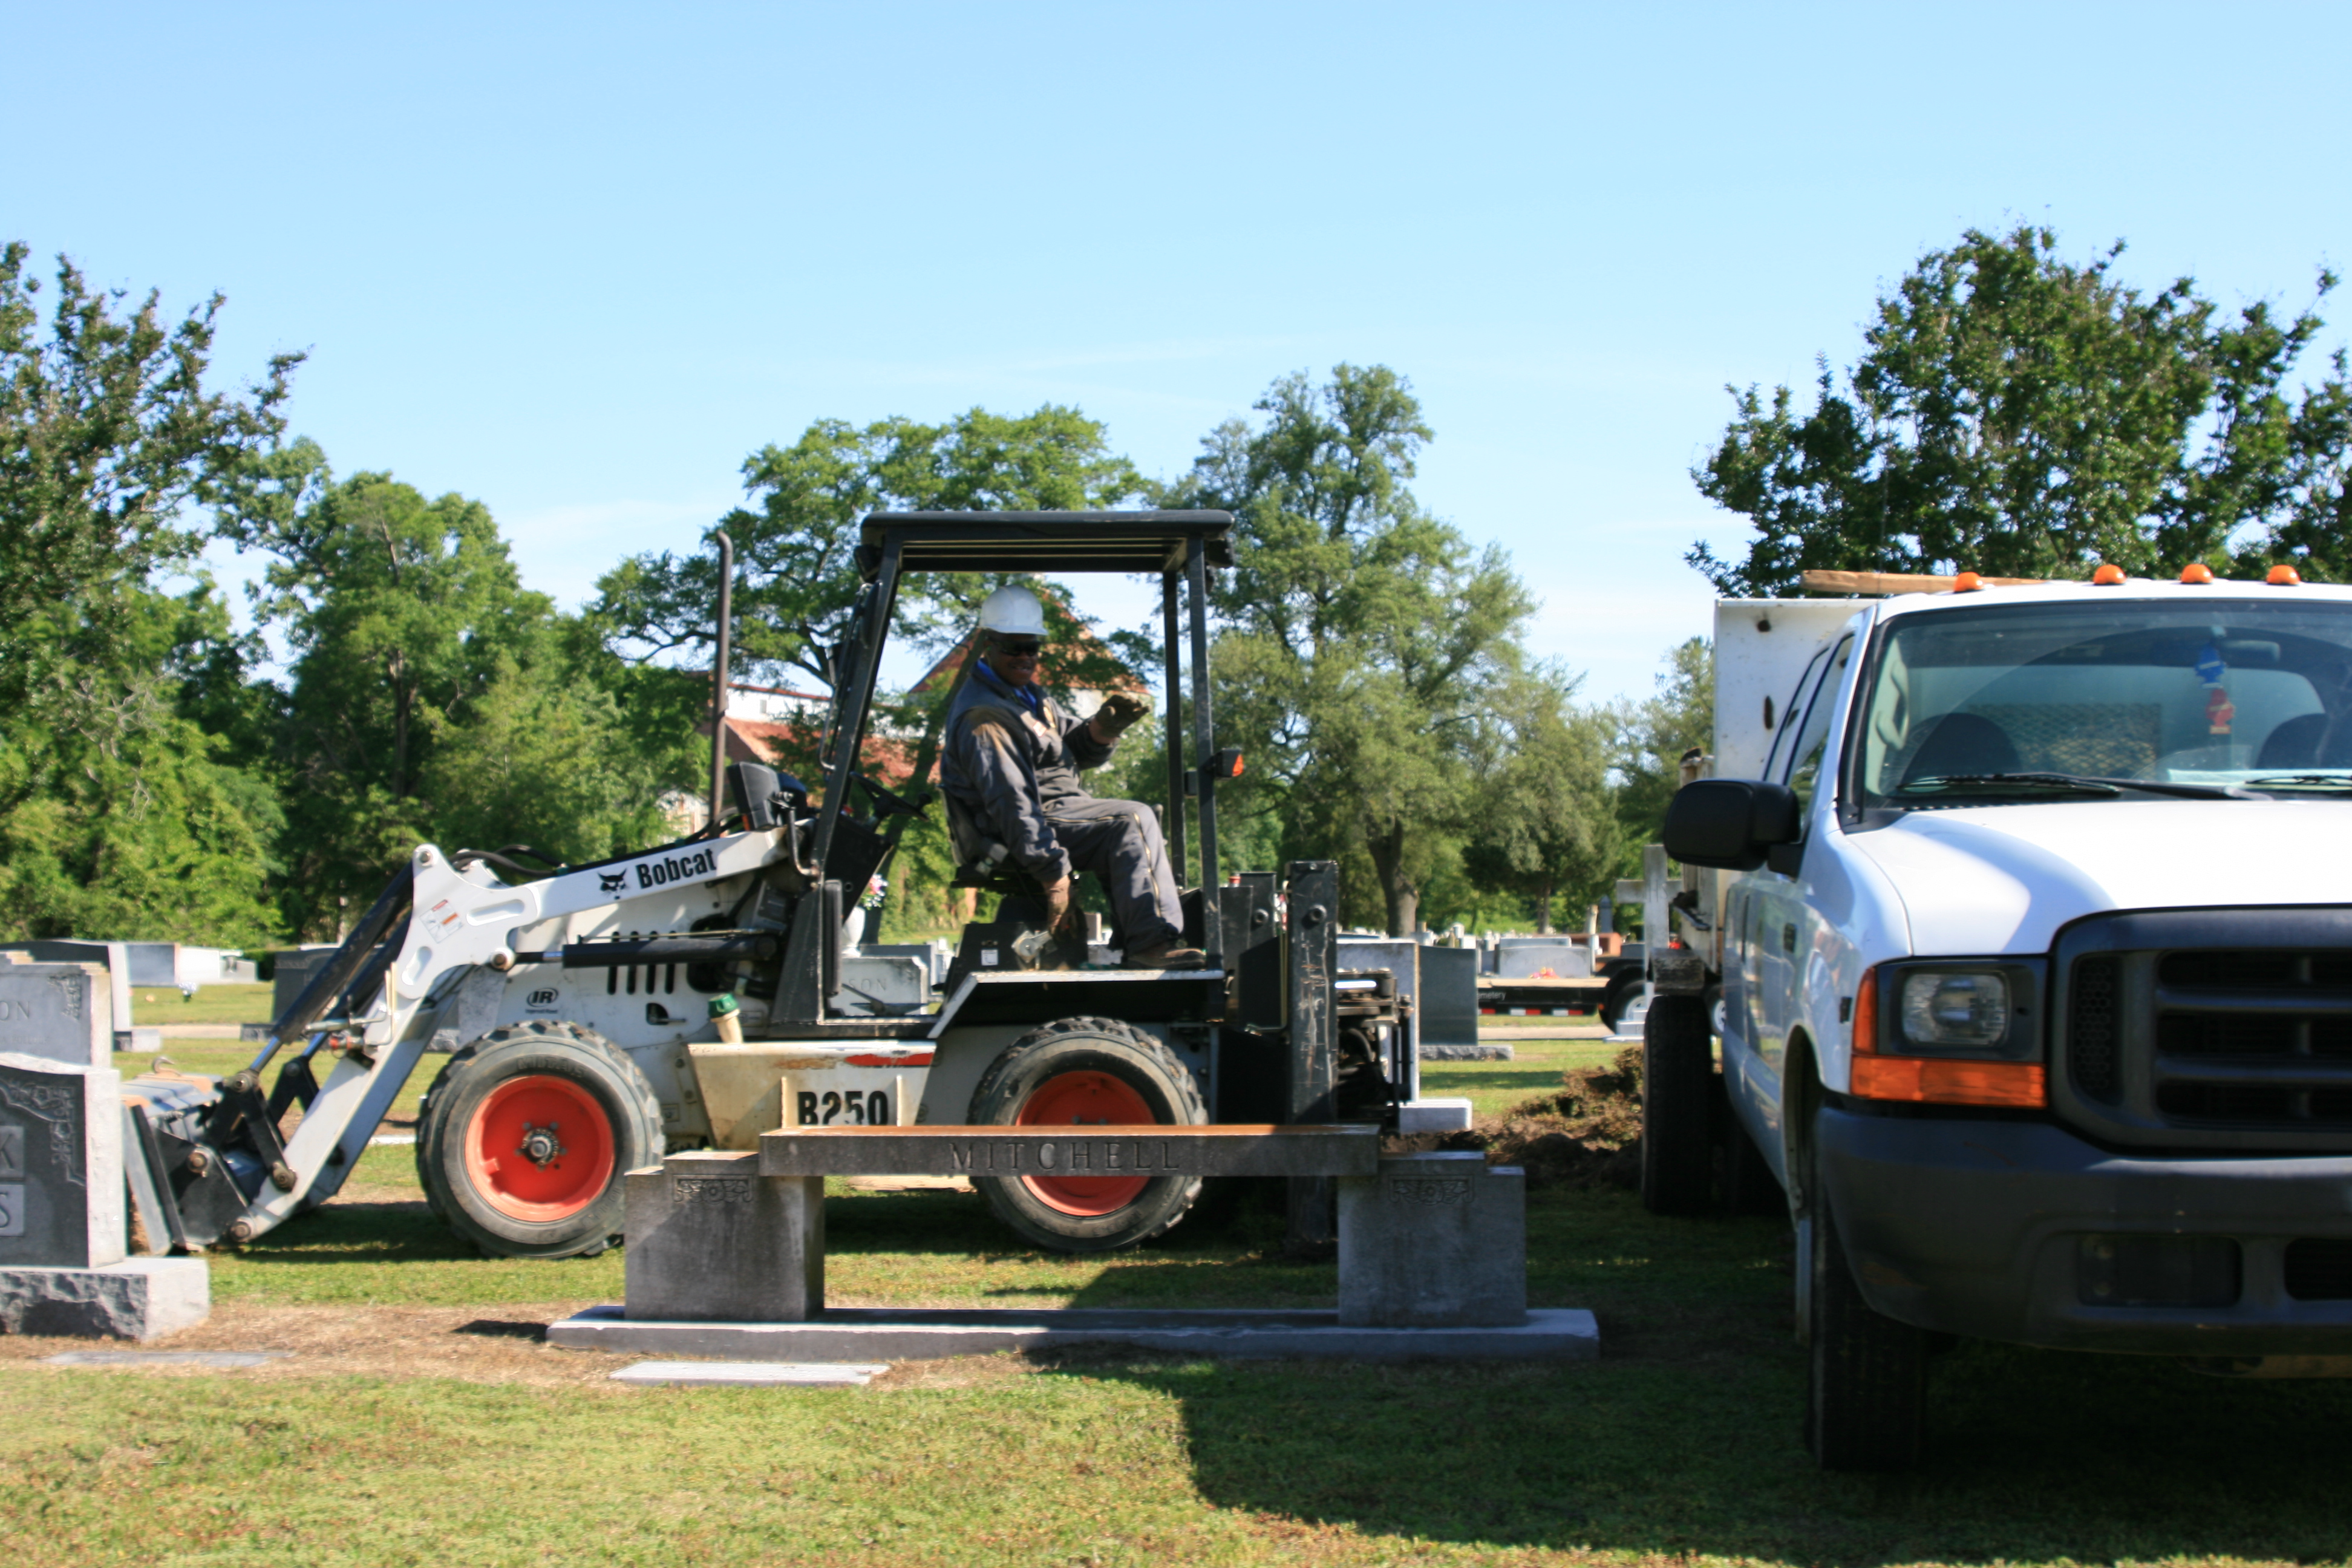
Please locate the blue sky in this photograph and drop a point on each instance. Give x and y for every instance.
(579, 262)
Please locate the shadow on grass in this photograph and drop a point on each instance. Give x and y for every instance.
(1684, 1437)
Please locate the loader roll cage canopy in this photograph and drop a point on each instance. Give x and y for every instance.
(1178, 546)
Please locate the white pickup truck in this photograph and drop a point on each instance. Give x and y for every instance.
(2031, 912)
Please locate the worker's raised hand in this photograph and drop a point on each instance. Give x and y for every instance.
(1118, 710)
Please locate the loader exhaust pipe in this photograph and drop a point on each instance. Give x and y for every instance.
(718, 678)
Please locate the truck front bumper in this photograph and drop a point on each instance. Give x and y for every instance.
(2022, 1231)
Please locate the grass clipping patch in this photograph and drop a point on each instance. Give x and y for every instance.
(1585, 1133)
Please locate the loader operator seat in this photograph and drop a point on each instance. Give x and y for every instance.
(983, 863)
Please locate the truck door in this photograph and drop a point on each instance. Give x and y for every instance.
(1781, 921)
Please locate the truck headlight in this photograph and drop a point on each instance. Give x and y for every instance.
(1955, 1009)
(1951, 1032)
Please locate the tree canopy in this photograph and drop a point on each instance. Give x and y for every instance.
(1362, 638)
(2023, 415)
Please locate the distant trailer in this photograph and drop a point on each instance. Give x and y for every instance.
(1540, 997)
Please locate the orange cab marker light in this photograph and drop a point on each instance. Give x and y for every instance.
(2283, 576)
(2197, 574)
(2108, 577)
(1966, 582)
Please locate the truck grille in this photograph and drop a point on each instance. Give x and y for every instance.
(2189, 1027)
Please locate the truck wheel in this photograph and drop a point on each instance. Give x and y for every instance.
(1677, 1107)
(1866, 1395)
(1621, 990)
(525, 1135)
(1749, 1187)
(1081, 1072)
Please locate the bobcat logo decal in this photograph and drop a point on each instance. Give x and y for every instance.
(611, 881)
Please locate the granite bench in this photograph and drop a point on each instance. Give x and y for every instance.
(1436, 1240)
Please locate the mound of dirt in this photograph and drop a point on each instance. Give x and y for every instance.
(1586, 1133)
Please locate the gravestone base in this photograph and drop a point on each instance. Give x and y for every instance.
(139, 1299)
(1436, 1240)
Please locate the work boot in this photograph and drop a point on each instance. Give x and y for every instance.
(1167, 955)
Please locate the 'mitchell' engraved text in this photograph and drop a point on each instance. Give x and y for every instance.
(711, 1190)
(1066, 1154)
(1423, 1190)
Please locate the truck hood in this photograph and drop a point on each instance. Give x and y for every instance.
(2004, 879)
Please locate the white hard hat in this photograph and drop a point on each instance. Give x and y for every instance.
(1012, 612)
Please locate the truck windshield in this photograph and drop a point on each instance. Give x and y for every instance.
(2043, 703)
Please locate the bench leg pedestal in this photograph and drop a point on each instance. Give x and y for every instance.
(711, 1241)
(1436, 1240)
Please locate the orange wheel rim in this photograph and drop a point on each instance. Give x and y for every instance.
(1086, 1098)
(539, 1149)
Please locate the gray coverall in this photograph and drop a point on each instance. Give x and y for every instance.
(1014, 767)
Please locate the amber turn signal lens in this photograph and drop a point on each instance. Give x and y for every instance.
(1940, 1080)
(1966, 582)
(2283, 576)
(2108, 577)
(2197, 573)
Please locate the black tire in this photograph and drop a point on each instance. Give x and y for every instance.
(560, 1071)
(1677, 1107)
(1866, 1390)
(1620, 989)
(1051, 1212)
(1749, 1187)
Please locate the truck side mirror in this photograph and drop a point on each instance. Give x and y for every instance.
(1730, 824)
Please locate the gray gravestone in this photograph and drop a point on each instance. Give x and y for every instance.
(1449, 997)
(60, 1012)
(1433, 1241)
(293, 971)
(710, 1239)
(61, 1186)
(108, 955)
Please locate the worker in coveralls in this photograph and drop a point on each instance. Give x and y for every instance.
(1012, 761)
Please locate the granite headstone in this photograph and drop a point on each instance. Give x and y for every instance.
(61, 1184)
(60, 1012)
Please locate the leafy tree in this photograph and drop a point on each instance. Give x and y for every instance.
(122, 817)
(1546, 827)
(795, 546)
(2018, 415)
(1361, 638)
(434, 697)
(119, 816)
(106, 434)
(1650, 737)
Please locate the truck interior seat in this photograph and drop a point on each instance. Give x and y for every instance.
(1962, 743)
(2295, 744)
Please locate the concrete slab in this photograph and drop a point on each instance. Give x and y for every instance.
(165, 1358)
(752, 1373)
(882, 1334)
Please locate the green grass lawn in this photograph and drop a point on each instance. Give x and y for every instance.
(161, 1007)
(1680, 1442)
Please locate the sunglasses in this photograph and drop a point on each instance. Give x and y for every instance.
(1020, 647)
